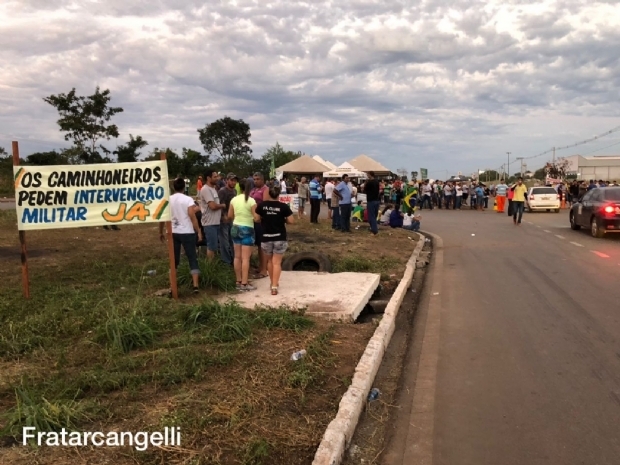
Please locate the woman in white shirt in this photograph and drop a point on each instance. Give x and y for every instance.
(185, 226)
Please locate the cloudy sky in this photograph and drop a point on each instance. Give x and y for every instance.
(442, 84)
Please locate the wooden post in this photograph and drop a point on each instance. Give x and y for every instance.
(173, 270)
(22, 236)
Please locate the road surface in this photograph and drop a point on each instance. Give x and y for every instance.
(520, 362)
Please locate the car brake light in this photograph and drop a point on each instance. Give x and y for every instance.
(531, 197)
(609, 209)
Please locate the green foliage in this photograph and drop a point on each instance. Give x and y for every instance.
(256, 452)
(359, 264)
(214, 273)
(84, 120)
(225, 322)
(34, 410)
(189, 163)
(131, 151)
(47, 158)
(230, 140)
(283, 318)
(125, 333)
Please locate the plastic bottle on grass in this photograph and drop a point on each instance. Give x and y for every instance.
(298, 355)
(373, 394)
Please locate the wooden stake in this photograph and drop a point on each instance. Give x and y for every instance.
(173, 270)
(22, 236)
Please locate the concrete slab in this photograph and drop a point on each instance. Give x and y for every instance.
(330, 295)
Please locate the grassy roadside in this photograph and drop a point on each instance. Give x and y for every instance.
(96, 350)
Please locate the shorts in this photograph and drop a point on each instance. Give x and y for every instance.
(329, 203)
(275, 247)
(242, 235)
(212, 233)
(258, 234)
(302, 202)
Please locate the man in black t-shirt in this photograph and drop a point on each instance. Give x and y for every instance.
(371, 188)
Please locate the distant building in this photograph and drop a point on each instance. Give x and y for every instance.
(602, 167)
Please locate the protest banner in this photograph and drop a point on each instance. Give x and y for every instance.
(70, 196)
(292, 200)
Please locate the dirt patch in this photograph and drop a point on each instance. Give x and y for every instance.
(230, 385)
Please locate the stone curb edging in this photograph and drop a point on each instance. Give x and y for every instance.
(339, 432)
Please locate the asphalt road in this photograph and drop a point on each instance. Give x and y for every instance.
(524, 367)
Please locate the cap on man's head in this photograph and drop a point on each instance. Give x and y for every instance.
(231, 176)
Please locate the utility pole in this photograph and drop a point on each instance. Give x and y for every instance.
(554, 155)
(508, 165)
(521, 158)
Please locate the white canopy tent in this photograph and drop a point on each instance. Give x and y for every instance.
(345, 168)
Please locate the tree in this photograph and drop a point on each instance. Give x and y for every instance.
(557, 169)
(85, 122)
(230, 140)
(47, 158)
(190, 163)
(130, 152)
(540, 174)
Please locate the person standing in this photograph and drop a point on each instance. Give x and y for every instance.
(511, 193)
(343, 193)
(329, 195)
(335, 208)
(458, 195)
(500, 191)
(259, 193)
(283, 186)
(447, 190)
(518, 201)
(387, 192)
(479, 197)
(185, 226)
(187, 183)
(302, 196)
(198, 186)
(315, 199)
(242, 213)
(427, 190)
(371, 188)
(211, 209)
(274, 216)
(226, 194)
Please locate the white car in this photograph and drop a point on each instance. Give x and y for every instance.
(543, 198)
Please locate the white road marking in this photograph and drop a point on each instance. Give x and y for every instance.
(529, 222)
(600, 254)
(546, 230)
(559, 237)
(577, 244)
(537, 226)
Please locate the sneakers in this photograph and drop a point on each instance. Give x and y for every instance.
(246, 287)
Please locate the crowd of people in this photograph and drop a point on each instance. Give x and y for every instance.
(231, 216)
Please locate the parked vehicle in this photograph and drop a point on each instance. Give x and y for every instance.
(599, 210)
(543, 198)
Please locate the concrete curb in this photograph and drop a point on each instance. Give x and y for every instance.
(340, 431)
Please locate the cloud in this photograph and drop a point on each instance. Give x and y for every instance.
(445, 84)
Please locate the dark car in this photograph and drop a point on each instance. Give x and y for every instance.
(599, 210)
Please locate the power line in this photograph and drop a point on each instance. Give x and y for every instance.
(602, 148)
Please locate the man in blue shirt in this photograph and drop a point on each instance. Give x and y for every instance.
(315, 198)
(343, 193)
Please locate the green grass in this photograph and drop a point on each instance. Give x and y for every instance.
(35, 410)
(256, 452)
(308, 371)
(361, 265)
(283, 318)
(126, 333)
(214, 274)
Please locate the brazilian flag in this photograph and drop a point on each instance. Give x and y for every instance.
(411, 194)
